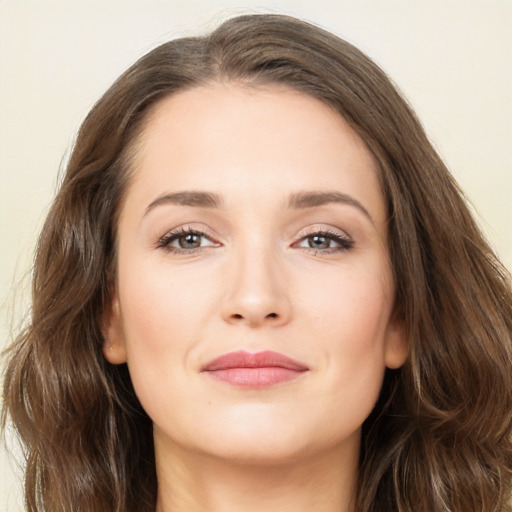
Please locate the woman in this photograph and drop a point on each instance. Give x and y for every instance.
(260, 288)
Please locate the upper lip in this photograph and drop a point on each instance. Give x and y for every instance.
(242, 359)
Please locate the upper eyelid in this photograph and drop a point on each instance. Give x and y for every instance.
(173, 234)
(329, 230)
(304, 232)
(164, 241)
(343, 239)
(188, 228)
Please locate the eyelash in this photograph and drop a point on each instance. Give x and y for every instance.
(168, 238)
(344, 242)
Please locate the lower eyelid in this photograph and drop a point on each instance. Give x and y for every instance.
(341, 246)
(166, 241)
(343, 241)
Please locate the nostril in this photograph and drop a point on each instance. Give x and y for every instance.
(238, 316)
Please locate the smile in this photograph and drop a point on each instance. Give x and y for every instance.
(256, 370)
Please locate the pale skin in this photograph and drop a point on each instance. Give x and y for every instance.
(254, 221)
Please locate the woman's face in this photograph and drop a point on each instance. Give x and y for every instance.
(254, 223)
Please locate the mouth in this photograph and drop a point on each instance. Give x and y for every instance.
(254, 370)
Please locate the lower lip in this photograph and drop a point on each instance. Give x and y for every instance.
(256, 377)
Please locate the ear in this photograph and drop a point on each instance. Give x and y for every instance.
(396, 348)
(114, 346)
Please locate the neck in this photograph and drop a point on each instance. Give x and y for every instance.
(193, 482)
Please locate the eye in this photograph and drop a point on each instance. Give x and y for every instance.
(186, 240)
(326, 242)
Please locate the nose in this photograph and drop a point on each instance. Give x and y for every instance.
(257, 292)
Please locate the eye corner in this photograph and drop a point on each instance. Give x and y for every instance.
(194, 244)
(328, 241)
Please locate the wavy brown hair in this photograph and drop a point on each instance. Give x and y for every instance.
(439, 438)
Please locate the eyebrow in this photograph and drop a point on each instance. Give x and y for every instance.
(299, 200)
(304, 200)
(187, 198)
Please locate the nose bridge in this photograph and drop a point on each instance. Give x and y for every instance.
(256, 284)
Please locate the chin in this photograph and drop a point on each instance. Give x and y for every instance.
(262, 451)
(264, 443)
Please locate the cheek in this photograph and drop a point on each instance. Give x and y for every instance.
(349, 309)
(159, 306)
(349, 317)
(163, 317)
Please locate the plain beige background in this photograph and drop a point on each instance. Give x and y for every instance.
(452, 59)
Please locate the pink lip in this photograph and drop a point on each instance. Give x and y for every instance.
(254, 370)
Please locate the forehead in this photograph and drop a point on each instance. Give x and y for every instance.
(237, 140)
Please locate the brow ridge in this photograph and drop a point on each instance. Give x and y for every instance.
(187, 198)
(299, 200)
(303, 200)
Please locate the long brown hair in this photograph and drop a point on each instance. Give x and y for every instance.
(439, 438)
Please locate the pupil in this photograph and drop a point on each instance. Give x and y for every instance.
(319, 242)
(190, 240)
